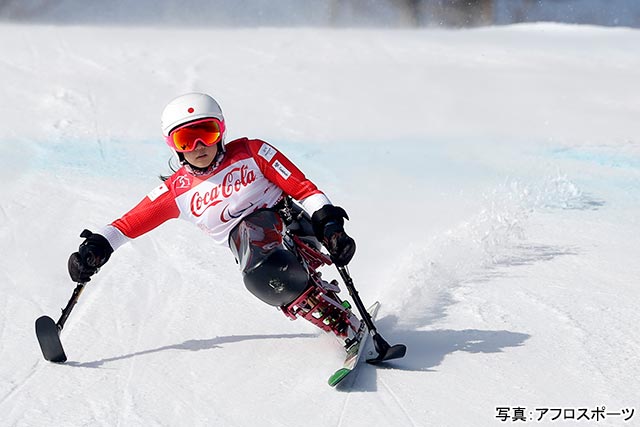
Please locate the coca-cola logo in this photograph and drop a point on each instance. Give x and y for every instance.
(233, 181)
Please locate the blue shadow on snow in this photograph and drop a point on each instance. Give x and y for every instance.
(191, 345)
(427, 349)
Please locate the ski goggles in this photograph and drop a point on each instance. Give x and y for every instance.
(184, 139)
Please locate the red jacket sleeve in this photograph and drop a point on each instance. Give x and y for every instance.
(156, 208)
(278, 169)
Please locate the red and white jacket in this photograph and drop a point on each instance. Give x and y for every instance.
(252, 175)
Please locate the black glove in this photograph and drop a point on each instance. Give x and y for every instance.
(328, 226)
(92, 254)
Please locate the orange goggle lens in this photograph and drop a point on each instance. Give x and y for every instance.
(186, 138)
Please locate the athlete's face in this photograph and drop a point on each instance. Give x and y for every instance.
(202, 156)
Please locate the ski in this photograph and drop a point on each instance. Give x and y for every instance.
(354, 351)
(49, 338)
(48, 330)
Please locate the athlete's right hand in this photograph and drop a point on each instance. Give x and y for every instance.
(92, 254)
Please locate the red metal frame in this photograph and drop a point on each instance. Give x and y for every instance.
(319, 304)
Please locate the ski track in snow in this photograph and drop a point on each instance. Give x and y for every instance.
(343, 411)
(20, 384)
(126, 406)
(491, 196)
(398, 402)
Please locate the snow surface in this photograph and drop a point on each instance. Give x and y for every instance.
(492, 177)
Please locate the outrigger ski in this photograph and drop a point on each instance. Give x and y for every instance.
(49, 338)
(48, 331)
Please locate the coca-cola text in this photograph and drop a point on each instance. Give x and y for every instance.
(233, 181)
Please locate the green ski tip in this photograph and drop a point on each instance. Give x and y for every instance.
(338, 376)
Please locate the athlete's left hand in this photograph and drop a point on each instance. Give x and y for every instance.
(339, 244)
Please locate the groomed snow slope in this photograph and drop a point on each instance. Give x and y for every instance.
(492, 177)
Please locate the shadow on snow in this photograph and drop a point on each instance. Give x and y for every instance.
(191, 345)
(427, 349)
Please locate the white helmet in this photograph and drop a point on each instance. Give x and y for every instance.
(188, 108)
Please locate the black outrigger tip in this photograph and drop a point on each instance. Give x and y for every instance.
(385, 351)
(48, 335)
(48, 331)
